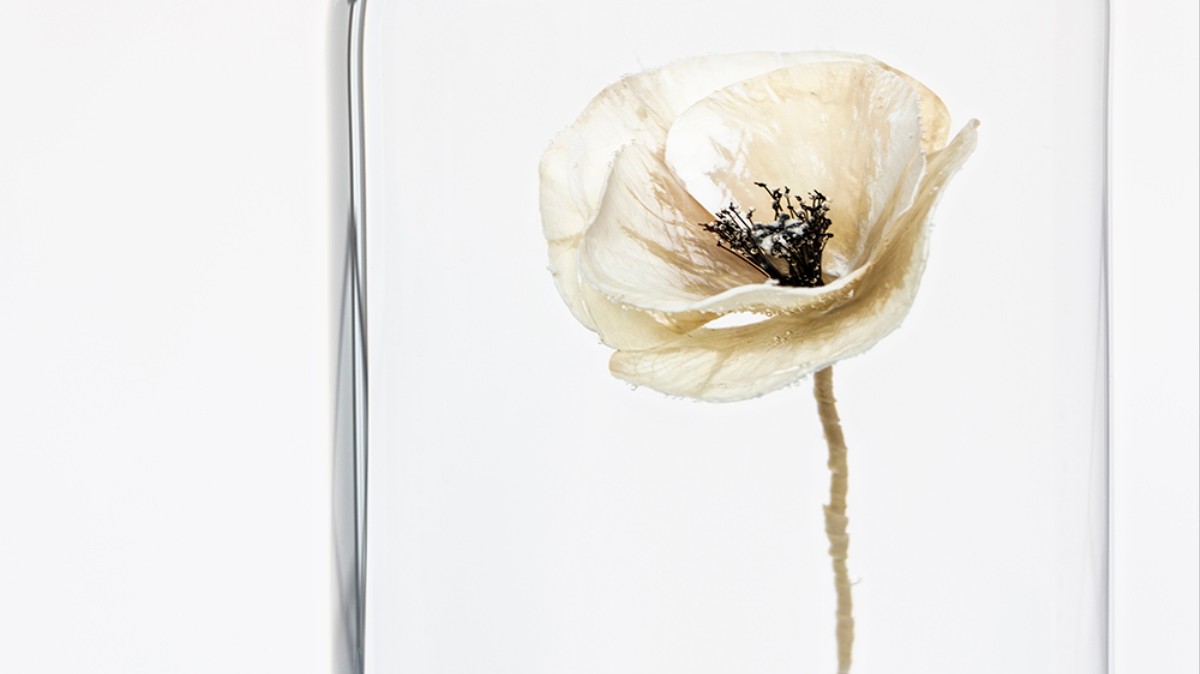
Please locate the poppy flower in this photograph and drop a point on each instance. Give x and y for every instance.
(707, 188)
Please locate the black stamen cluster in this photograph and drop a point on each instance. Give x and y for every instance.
(787, 249)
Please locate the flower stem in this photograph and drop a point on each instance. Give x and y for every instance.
(835, 512)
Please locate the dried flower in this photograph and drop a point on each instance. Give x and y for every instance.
(647, 203)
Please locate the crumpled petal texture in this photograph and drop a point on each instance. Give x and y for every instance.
(625, 188)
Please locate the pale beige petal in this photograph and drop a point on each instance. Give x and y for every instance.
(772, 299)
(899, 254)
(730, 364)
(639, 108)
(642, 107)
(564, 267)
(850, 130)
(646, 247)
(575, 170)
(769, 298)
(619, 327)
(747, 361)
(935, 118)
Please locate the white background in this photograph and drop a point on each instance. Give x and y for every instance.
(136, 134)
(1154, 337)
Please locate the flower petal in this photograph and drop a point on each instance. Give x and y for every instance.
(575, 169)
(640, 108)
(743, 362)
(646, 246)
(850, 130)
(935, 118)
(644, 249)
(619, 327)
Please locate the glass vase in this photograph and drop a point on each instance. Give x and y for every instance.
(530, 512)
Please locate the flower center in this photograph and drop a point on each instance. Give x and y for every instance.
(787, 249)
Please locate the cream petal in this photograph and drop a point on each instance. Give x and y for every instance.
(574, 170)
(619, 327)
(729, 364)
(564, 267)
(639, 108)
(645, 250)
(646, 247)
(743, 362)
(847, 129)
(935, 118)
(895, 268)
(772, 299)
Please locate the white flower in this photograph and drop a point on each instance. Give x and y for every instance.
(626, 190)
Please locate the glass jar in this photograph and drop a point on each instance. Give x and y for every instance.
(531, 513)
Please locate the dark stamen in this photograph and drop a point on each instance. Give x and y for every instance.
(788, 249)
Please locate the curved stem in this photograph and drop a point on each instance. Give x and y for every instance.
(835, 513)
